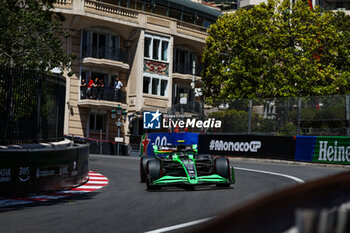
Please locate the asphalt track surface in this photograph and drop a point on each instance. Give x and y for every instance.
(124, 205)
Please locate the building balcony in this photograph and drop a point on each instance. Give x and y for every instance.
(187, 69)
(193, 108)
(104, 98)
(191, 29)
(104, 57)
(336, 7)
(64, 4)
(249, 3)
(185, 72)
(114, 10)
(104, 53)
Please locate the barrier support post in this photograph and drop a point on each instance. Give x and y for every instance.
(250, 116)
(347, 112)
(100, 141)
(299, 116)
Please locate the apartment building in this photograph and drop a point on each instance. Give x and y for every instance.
(154, 47)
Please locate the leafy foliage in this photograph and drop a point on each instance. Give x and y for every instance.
(30, 35)
(277, 49)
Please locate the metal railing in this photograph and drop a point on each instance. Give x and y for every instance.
(111, 9)
(104, 53)
(187, 69)
(32, 106)
(190, 107)
(103, 93)
(189, 27)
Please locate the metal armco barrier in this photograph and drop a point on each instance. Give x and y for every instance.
(260, 146)
(279, 212)
(31, 171)
(104, 146)
(322, 149)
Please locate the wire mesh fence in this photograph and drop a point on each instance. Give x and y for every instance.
(317, 115)
(32, 106)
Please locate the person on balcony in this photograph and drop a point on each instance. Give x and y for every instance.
(101, 88)
(89, 88)
(83, 89)
(117, 89)
(95, 89)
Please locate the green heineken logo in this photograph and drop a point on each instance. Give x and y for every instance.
(336, 150)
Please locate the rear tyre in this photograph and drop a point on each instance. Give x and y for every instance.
(153, 170)
(222, 168)
(143, 163)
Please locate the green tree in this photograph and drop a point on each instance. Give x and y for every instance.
(31, 35)
(277, 49)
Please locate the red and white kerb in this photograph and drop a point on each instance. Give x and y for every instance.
(95, 182)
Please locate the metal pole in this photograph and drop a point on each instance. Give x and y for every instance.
(299, 116)
(118, 135)
(347, 117)
(193, 83)
(57, 114)
(38, 129)
(250, 116)
(100, 141)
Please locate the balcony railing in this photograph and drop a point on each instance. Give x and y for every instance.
(187, 69)
(111, 9)
(335, 8)
(103, 93)
(190, 107)
(63, 3)
(191, 27)
(104, 53)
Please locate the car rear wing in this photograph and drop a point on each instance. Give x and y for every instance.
(159, 150)
(168, 149)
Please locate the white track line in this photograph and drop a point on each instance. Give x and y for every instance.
(300, 181)
(165, 229)
(179, 226)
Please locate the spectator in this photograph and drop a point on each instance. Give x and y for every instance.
(117, 89)
(101, 88)
(94, 89)
(83, 89)
(89, 88)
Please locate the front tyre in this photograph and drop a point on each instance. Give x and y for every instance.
(153, 171)
(222, 168)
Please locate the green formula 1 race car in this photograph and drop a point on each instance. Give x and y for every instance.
(182, 165)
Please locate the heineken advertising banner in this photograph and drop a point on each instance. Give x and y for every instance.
(150, 139)
(323, 149)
